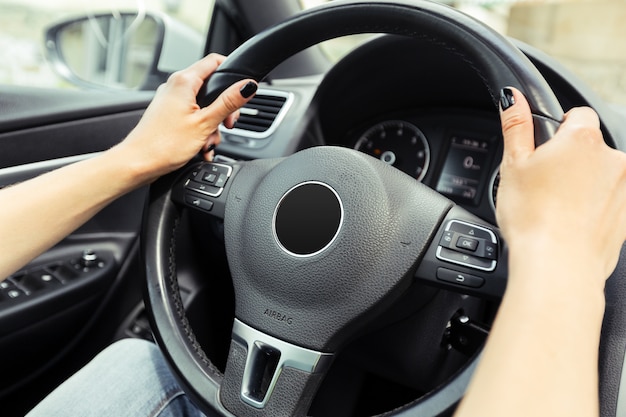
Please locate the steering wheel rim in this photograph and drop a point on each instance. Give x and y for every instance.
(496, 60)
(498, 63)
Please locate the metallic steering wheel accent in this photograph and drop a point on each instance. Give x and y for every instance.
(293, 313)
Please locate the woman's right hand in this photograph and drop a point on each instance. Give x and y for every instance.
(569, 192)
(175, 128)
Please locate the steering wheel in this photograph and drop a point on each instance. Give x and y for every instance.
(323, 241)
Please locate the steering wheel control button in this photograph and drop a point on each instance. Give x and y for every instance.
(205, 182)
(469, 245)
(308, 218)
(203, 188)
(471, 230)
(465, 260)
(198, 202)
(447, 238)
(476, 247)
(491, 251)
(209, 177)
(221, 180)
(459, 278)
(210, 172)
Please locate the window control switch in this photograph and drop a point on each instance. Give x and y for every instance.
(37, 280)
(64, 272)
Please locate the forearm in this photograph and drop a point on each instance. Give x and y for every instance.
(542, 354)
(38, 213)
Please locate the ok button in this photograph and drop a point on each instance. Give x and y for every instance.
(467, 243)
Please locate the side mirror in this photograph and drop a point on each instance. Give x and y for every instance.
(127, 51)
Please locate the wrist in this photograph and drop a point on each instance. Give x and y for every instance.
(140, 160)
(129, 168)
(544, 270)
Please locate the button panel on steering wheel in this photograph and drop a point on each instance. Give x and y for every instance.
(469, 245)
(206, 183)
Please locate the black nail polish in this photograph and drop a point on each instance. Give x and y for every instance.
(210, 148)
(506, 98)
(248, 89)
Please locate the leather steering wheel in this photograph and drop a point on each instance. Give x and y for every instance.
(321, 242)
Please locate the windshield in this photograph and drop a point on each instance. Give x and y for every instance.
(586, 36)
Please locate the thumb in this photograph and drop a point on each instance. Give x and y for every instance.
(517, 124)
(230, 101)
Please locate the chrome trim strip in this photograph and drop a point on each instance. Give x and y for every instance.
(336, 233)
(494, 240)
(621, 394)
(492, 182)
(443, 258)
(291, 356)
(19, 173)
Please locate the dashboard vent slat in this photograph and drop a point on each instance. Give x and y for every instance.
(262, 114)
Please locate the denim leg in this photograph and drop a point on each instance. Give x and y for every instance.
(128, 378)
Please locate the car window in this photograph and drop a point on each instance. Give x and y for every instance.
(586, 36)
(23, 24)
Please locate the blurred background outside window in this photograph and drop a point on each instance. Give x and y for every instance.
(587, 36)
(23, 23)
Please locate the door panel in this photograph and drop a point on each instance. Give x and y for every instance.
(65, 306)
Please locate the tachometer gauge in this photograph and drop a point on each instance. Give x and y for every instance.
(397, 143)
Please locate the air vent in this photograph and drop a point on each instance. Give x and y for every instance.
(262, 115)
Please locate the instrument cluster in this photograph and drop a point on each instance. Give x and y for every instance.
(455, 154)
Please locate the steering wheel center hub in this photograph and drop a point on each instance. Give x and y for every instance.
(308, 219)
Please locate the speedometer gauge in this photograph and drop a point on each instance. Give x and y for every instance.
(397, 143)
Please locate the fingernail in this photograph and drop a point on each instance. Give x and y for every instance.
(210, 148)
(248, 89)
(507, 99)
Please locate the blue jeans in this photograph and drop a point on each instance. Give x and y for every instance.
(129, 378)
